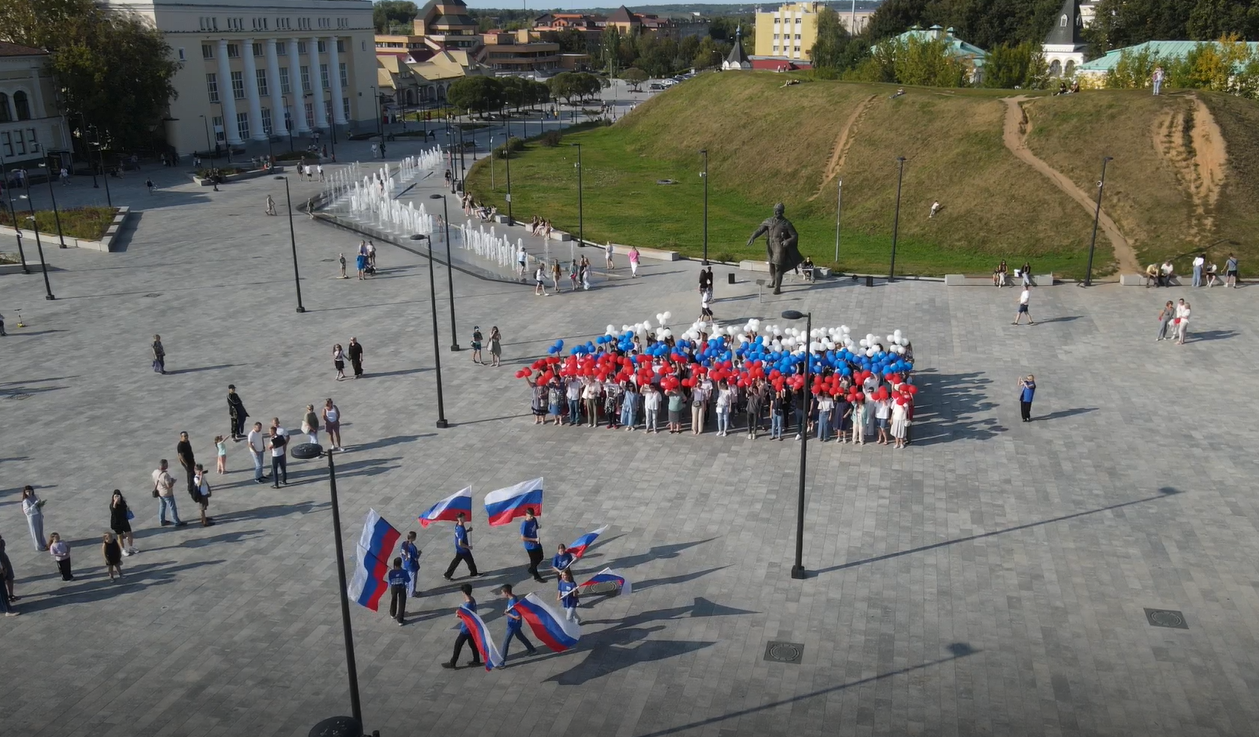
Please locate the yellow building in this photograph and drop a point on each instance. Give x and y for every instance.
(786, 33)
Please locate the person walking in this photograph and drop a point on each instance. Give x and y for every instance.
(496, 346)
(356, 357)
(515, 623)
(539, 285)
(1230, 272)
(310, 424)
(399, 580)
(585, 274)
(411, 562)
(60, 552)
(1027, 391)
(476, 344)
(1182, 322)
(278, 443)
(567, 596)
(561, 560)
(633, 261)
(33, 507)
(159, 355)
(522, 258)
(464, 635)
(338, 361)
(706, 306)
(236, 412)
(1157, 79)
(1199, 262)
(463, 550)
(270, 205)
(111, 550)
(1024, 299)
(1165, 317)
(6, 576)
(341, 263)
(120, 517)
(164, 490)
(529, 536)
(607, 257)
(332, 424)
(202, 496)
(183, 451)
(557, 273)
(257, 446)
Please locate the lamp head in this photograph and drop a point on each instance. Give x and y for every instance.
(281, 178)
(437, 197)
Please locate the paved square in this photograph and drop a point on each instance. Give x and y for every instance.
(993, 578)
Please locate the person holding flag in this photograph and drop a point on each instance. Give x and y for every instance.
(529, 536)
(448, 509)
(398, 579)
(562, 560)
(567, 596)
(371, 563)
(411, 562)
(463, 550)
(465, 635)
(514, 623)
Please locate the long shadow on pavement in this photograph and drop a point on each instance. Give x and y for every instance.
(139, 576)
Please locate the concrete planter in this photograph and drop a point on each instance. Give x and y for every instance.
(28, 236)
(253, 174)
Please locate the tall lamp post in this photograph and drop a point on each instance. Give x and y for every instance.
(306, 451)
(704, 151)
(297, 279)
(450, 269)
(797, 570)
(288, 120)
(507, 161)
(839, 209)
(437, 356)
(4, 178)
(1101, 184)
(209, 151)
(56, 214)
(39, 244)
(896, 221)
(581, 216)
(332, 124)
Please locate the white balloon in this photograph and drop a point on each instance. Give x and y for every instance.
(668, 316)
(863, 342)
(869, 353)
(611, 330)
(844, 328)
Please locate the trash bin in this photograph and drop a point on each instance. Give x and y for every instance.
(869, 280)
(730, 277)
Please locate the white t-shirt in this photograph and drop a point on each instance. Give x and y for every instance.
(1024, 297)
(723, 399)
(256, 443)
(609, 250)
(278, 451)
(1199, 261)
(651, 400)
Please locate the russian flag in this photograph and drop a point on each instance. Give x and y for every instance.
(554, 631)
(505, 505)
(449, 508)
(607, 575)
(480, 637)
(371, 564)
(578, 548)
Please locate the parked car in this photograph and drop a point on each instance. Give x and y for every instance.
(655, 87)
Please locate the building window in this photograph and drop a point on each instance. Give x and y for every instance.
(341, 45)
(6, 115)
(310, 115)
(301, 47)
(182, 57)
(207, 51)
(345, 107)
(212, 86)
(21, 105)
(266, 121)
(345, 75)
(797, 37)
(323, 47)
(323, 76)
(7, 141)
(281, 48)
(242, 124)
(305, 79)
(257, 49)
(219, 133)
(262, 83)
(233, 51)
(238, 85)
(775, 36)
(284, 81)
(32, 139)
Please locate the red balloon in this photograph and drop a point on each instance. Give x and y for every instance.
(911, 389)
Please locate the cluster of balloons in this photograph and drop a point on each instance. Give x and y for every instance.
(761, 352)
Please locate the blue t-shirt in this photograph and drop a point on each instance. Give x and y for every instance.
(529, 528)
(410, 556)
(463, 628)
(568, 590)
(399, 577)
(1028, 392)
(562, 561)
(513, 617)
(461, 539)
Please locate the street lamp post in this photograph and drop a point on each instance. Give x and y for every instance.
(52, 192)
(797, 570)
(463, 168)
(333, 125)
(288, 120)
(226, 143)
(4, 178)
(896, 221)
(704, 151)
(1101, 184)
(581, 215)
(492, 185)
(450, 270)
(210, 151)
(437, 356)
(86, 151)
(39, 244)
(100, 151)
(507, 161)
(297, 279)
(307, 451)
(839, 209)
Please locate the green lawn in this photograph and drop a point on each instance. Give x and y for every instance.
(88, 223)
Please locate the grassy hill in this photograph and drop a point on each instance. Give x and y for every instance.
(768, 143)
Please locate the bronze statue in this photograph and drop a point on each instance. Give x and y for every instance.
(781, 241)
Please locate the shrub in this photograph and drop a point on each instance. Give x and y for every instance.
(551, 139)
(513, 145)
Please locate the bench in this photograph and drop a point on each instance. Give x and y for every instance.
(963, 280)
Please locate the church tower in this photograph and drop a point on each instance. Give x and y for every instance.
(1064, 47)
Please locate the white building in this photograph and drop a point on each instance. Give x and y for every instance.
(30, 125)
(254, 71)
(1064, 48)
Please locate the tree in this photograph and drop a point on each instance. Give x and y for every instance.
(516, 91)
(635, 77)
(609, 48)
(984, 23)
(1020, 66)
(394, 16)
(478, 94)
(827, 53)
(113, 67)
(572, 41)
(924, 62)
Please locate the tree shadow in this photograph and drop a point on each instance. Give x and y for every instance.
(658, 552)
(135, 577)
(955, 400)
(1065, 413)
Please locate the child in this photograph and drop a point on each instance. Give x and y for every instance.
(221, 446)
(568, 595)
(60, 552)
(342, 260)
(112, 550)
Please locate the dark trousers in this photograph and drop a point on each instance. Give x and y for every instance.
(190, 472)
(465, 637)
(358, 367)
(519, 635)
(1026, 409)
(398, 602)
(279, 470)
(64, 567)
(535, 558)
(238, 426)
(466, 557)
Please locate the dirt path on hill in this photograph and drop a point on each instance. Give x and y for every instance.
(1191, 142)
(1015, 137)
(842, 144)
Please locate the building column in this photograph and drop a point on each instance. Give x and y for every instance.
(227, 97)
(251, 91)
(316, 85)
(295, 87)
(334, 79)
(273, 90)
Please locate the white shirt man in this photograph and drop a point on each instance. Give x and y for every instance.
(257, 446)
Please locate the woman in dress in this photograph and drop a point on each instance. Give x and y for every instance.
(1182, 324)
(33, 506)
(112, 552)
(860, 416)
(60, 552)
(496, 346)
(900, 421)
(338, 360)
(554, 401)
(201, 494)
(310, 424)
(557, 273)
(538, 402)
(476, 345)
(120, 522)
(332, 424)
(159, 355)
(674, 397)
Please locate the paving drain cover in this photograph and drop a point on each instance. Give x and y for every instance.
(1166, 618)
(326, 260)
(784, 652)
